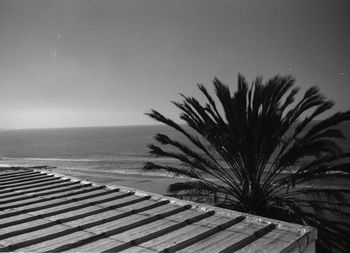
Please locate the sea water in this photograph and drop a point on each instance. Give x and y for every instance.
(114, 149)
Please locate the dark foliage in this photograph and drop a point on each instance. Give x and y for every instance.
(261, 152)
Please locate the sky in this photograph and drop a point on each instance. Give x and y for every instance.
(78, 63)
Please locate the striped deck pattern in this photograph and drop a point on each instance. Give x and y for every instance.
(44, 212)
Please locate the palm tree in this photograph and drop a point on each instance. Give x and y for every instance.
(262, 153)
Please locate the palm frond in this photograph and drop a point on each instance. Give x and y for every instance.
(261, 151)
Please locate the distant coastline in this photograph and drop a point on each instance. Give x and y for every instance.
(122, 150)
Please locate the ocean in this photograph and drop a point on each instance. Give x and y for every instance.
(114, 149)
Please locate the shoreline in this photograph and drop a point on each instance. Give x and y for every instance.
(155, 183)
(148, 183)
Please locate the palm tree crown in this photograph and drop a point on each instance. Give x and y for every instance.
(262, 152)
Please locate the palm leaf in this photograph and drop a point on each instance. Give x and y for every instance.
(258, 150)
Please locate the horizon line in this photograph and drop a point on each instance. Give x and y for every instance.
(96, 126)
(89, 126)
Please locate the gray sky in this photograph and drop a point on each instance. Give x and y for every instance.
(106, 62)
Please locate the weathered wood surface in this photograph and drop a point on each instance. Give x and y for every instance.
(41, 212)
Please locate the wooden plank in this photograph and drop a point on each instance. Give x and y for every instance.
(117, 201)
(23, 180)
(173, 237)
(215, 243)
(40, 189)
(21, 226)
(72, 213)
(56, 242)
(70, 218)
(264, 245)
(44, 182)
(12, 218)
(92, 225)
(215, 231)
(144, 230)
(105, 244)
(282, 235)
(139, 250)
(274, 241)
(55, 203)
(74, 206)
(123, 229)
(38, 205)
(140, 205)
(29, 183)
(116, 224)
(70, 230)
(21, 239)
(188, 214)
(246, 227)
(93, 218)
(108, 214)
(165, 231)
(158, 210)
(30, 200)
(6, 174)
(249, 239)
(96, 246)
(52, 209)
(76, 220)
(20, 177)
(15, 200)
(47, 194)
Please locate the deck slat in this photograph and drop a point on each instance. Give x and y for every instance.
(120, 229)
(57, 203)
(29, 175)
(46, 199)
(103, 214)
(49, 181)
(14, 174)
(42, 189)
(249, 239)
(43, 212)
(16, 181)
(29, 182)
(44, 194)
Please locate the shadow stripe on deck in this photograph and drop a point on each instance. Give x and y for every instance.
(17, 173)
(32, 174)
(51, 198)
(203, 236)
(249, 239)
(172, 228)
(34, 189)
(42, 194)
(56, 235)
(134, 225)
(29, 182)
(6, 215)
(73, 229)
(80, 216)
(24, 181)
(69, 209)
(45, 182)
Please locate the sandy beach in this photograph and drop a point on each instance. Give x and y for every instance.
(155, 184)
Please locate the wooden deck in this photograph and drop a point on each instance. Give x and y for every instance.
(45, 212)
